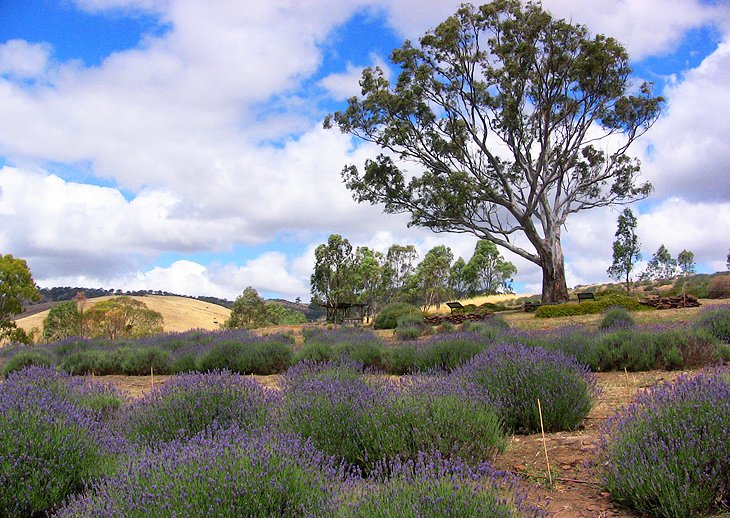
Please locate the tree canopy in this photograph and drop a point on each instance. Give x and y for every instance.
(626, 248)
(121, 317)
(16, 287)
(508, 121)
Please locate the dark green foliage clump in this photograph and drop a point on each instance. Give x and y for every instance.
(389, 315)
(25, 359)
(616, 317)
(716, 321)
(589, 307)
(266, 356)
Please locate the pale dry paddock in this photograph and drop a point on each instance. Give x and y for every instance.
(179, 313)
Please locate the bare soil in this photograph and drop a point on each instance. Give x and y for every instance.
(575, 491)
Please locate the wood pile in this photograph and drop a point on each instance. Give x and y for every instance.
(673, 302)
(459, 318)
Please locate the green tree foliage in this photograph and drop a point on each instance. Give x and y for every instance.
(495, 107)
(63, 321)
(488, 271)
(122, 317)
(459, 279)
(333, 280)
(431, 280)
(369, 285)
(686, 262)
(400, 265)
(661, 265)
(626, 248)
(248, 311)
(278, 315)
(16, 287)
(728, 261)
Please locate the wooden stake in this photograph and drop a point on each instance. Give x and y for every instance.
(152, 377)
(544, 443)
(628, 384)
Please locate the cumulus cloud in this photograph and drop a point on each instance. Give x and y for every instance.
(689, 156)
(22, 60)
(205, 140)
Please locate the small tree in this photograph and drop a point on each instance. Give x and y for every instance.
(16, 287)
(488, 271)
(62, 321)
(400, 265)
(661, 265)
(686, 262)
(626, 248)
(431, 280)
(122, 317)
(248, 311)
(332, 282)
(459, 278)
(728, 261)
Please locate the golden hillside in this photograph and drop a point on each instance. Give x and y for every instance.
(179, 313)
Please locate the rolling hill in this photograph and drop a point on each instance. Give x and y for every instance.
(179, 313)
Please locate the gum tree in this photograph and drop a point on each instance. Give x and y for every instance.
(502, 123)
(626, 248)
(16, 287)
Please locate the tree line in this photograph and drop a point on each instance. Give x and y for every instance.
(369, 279)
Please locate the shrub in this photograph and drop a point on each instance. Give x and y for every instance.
(263, 356)
(189, 404)
(25, 359)
(411, 326)
(142, 361)
(434, 486)
(229, 475)
(52, 441)
(364, 420)
(716, 321)
(342, 344)
(446, 327)
(719, 287)
(668, 453)
(589, 307)
(440, 352)
(91, 361)
(515, 377)
(616, 317)
(388, 316)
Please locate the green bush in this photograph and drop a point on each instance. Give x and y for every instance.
(25, 359)
(388, 316)
(716, 321)
(589, 307)
(616, 317)
(92, 361)
(269, 356)
(140, 362)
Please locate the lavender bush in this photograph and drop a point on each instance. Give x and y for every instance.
(668, 453)
(363, 419)
(515, 376)
(715, 320)
(445, 352)
(343, 343)
(616, 317)
(230, 475)
(434, 486)
(191, 403)
(52, 439)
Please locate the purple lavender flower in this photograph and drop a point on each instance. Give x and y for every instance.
(668, 453)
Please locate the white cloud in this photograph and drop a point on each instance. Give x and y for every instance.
(690, 156)
(23, 60)
(347, 84)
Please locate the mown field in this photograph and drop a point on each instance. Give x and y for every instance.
(314, 433)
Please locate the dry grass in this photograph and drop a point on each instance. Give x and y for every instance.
(179, 313)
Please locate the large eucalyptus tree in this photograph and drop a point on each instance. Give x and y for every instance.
(508, 121)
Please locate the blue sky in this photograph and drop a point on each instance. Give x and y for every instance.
(177, 144)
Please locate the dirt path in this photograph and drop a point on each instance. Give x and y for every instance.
(575, 492)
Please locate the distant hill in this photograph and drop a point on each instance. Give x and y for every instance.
(179, 313)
